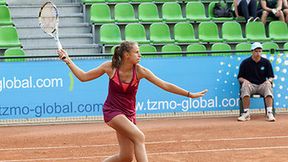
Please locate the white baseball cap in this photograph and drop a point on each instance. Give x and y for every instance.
(256, 45)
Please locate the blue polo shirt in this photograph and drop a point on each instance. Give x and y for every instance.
(256, 73)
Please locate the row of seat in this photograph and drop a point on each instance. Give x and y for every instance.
(9, 39)
(87, 2)
(8, 35)
(196, 48)
(148, 12)
(5, 17)
(201, 48)
(184, 33)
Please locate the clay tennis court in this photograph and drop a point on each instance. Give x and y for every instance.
(190, 139)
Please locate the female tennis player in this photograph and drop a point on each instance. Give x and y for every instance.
(125, 72)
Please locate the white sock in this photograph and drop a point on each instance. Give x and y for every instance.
(246, 110)
(269, 109)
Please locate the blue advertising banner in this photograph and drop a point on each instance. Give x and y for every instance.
(48, 89)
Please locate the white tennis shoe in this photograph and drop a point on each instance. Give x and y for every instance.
(270, 117)
(244, 116)
(250, 19)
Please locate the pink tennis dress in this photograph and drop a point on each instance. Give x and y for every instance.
(121, 98)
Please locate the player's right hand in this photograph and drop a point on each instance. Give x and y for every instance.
(63, 55)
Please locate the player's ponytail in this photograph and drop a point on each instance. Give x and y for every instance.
(116, 59)
(119, 51)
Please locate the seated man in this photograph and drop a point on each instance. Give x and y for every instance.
(256, 76)
(270, 8)
(285, 10)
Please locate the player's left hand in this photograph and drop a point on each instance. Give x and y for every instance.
(198, 94)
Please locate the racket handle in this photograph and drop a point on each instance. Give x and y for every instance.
(59, 45)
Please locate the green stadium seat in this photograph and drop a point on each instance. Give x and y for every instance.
(100, 13)
(3, 2)
(146, 48)
(278, 31)
(171, 48)
(211, 14)
(140, 1)
(172, 12)
(269, 46)
(160, 33)
(5, 17)
(243, 46)
(14, 52)
(221, 47)
(135, 32)
(113, 49)
(163, 1)
(184, 33)
(9, 37)
(117, 1)
(285, 47)
(196, 47)
(148, 12)
(195, 11)
(110, 34)
(232, 32)
(208, 32)
(124, 12)
(89, 2)
(255, 31)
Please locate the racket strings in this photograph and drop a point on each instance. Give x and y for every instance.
(48, 18)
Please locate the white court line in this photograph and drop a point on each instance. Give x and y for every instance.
(221, 150)
(147, 143)
(152, 154)
(55, 147)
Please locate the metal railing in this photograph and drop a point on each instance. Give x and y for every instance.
(157, 54)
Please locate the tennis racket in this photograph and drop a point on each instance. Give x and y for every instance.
(49, 20)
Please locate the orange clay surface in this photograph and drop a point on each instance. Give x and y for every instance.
(190, 139)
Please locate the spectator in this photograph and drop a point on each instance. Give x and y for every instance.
(256, 76)
(246, 8)
(285, 10)
(270, 8)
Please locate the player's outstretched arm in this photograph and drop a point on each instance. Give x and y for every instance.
(147, 74)
(78, 72)
(198, 94)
